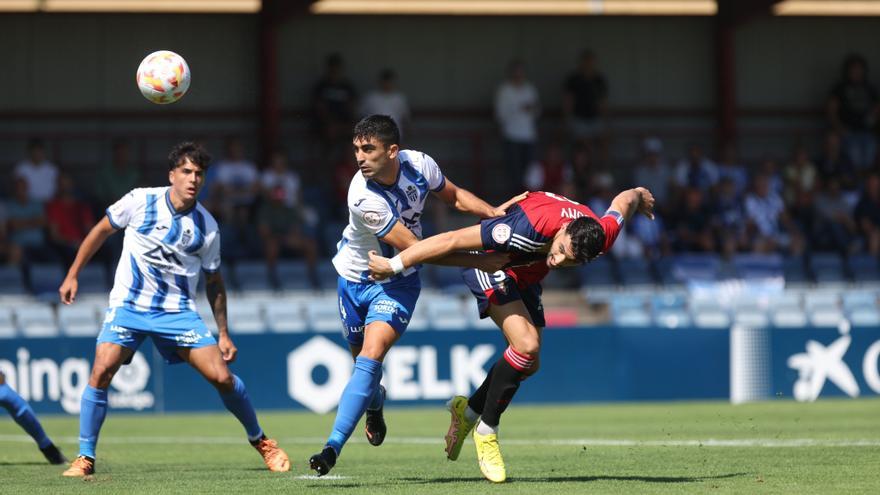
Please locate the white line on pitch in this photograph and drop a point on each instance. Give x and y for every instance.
(587, 442)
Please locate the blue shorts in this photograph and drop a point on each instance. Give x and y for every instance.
(498, 288)
(363, 303)
(169, 331)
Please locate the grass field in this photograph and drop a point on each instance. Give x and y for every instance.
(775, 447)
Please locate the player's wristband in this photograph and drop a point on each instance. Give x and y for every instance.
(396, 264)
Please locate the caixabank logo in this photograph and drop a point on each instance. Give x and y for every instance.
(37, 379)
(820, 364)
(318, 371)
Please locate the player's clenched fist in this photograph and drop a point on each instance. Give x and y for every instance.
(68, 289)
(646, 202)
(380, 266)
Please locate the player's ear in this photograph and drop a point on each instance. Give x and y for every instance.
(392, 151)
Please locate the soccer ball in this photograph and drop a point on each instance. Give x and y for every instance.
(163, 77)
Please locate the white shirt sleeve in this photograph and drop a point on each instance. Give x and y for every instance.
(211, 253)
(121, 212)
(432, 173)
(373, 214)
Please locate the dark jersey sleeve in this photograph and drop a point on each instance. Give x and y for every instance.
(512, 233)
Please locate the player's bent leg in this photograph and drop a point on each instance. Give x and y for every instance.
(379, 336)
(209, 363)
(24, 416)
(462, 421)
(93, 406)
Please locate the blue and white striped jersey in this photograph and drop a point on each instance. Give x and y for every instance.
(163, 251)
(373, 209)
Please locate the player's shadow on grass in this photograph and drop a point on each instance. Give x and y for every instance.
(582, 479)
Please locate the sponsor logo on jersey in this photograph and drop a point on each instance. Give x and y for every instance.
(501, 233)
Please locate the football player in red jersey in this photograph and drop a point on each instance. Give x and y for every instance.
(544, 231)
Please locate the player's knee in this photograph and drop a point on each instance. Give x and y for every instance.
(102, 374)
(223, 380)
(530, 346)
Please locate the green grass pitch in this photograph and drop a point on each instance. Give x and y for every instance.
(832, 446)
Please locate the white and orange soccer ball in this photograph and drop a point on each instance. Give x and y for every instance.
(163, 77)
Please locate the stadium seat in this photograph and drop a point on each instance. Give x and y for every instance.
(821, 299)
(327, 275)
(627, 301)
(751, 319)
(827, 267)
(245, 316)
(46, 278)
(695, 266)
(668, 301)
(758, 266)
(711, 319)
(672, 318)
(252, 275)
(826, 317)
(79, 320)
(420, 319)
(7, 326)
(865, 317)
(204, 310)
(636, 271)
(293, 275)
(795, 270)
(859, 299)
(472, 313)
(285, 316)
(599, 272)
(36, 320)
(631, 318)
(322, 314)
(11, 282)
(92, 279)
(788, 318)
(706, 303)
(446, 278)
(446, 313)
(864, 268)
(789, 300)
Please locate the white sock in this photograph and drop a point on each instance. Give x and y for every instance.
(471, 415)
(484, 429)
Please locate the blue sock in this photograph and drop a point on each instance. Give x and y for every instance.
(378, 399)
(357, 395)
(22, 413)
(239, 404)
(92, 411)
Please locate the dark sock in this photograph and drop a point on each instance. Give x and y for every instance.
(506, 377)
(478, 399)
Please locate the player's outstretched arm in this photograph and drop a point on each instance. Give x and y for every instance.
(216, 292)
(634, 200)
(427, 250)
(90, 245)
(465, 201)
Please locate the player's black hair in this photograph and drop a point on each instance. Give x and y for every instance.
(381, 127)
(587, 238)
(196, 153)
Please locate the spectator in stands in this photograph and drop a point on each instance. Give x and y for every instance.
(553, 173)
(40, 175)
(26, 221)
(833, 162)
(237, 176)
(696, 170)
(278, 174)
(728, 217)
(768, 226)
(584, 168)
(585, 105)
(867, 214)
(769, 167)
(836, 225)
(116, 178)
(651, 234)
(853, 108)
(6, 255)
(388, 100)
(693, 223)
(280, 233)
(800, 175)
(68, 219)
(517, 108)
(730, 167)
(333, 103)
(653, 172)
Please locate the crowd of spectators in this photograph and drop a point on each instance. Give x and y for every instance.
(708, 200)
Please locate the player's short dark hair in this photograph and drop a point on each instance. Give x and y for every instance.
(381, 127)
(587, 238)
(196, 154)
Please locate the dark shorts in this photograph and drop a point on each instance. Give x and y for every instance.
(499, 288)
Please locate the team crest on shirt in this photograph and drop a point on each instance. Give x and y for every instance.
(412, 193)
(186, 236)
(501, 233)
(372, 218)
